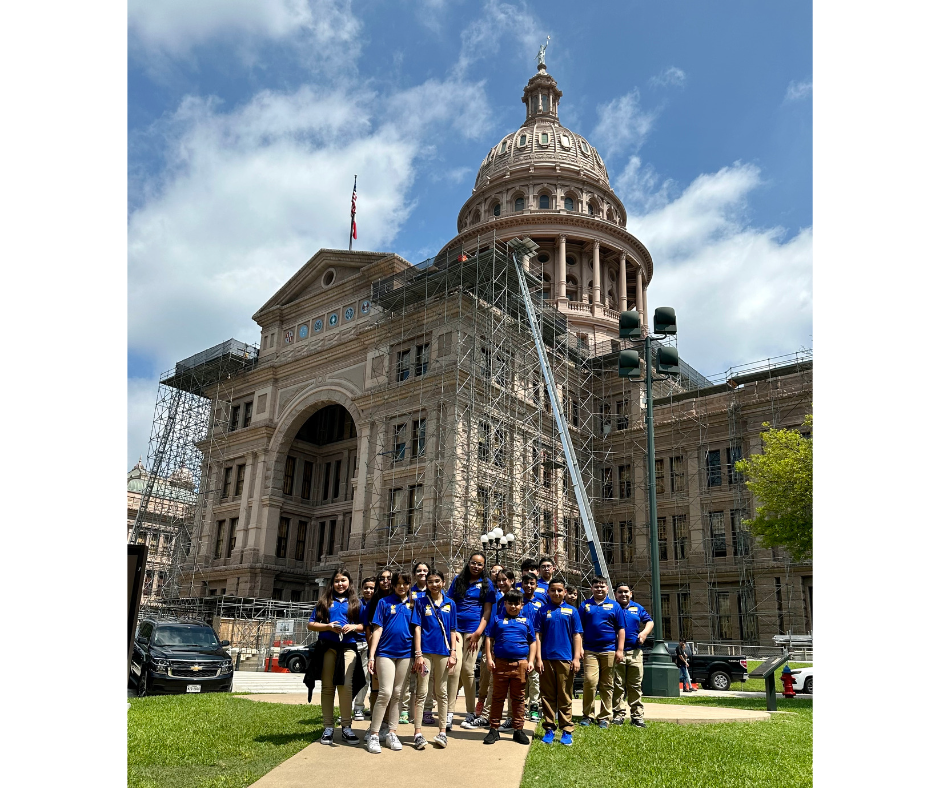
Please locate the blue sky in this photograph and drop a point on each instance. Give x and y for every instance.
(247, 119)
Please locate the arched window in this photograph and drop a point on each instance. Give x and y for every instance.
(476, 216)
(543, 201)
(590, 209)
(569, 204)
(520, 203)
(523, 139)
(496, 209)
(611, 300)
(571, 288)
(502, 147)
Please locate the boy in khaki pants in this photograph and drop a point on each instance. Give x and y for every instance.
(558, 632)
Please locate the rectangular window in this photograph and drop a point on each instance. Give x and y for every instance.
(713, 468)
(667, 616)
(486, 363)
(623, 478)
(575, 551)
(415, 506)
(300, 546)
(733, 454)
(289, 466)
(626, 541)
(295, 594)
(483, 441)
(608, 483)
(723, 615)
(248, 408)
(398, 443)
(502, 371)
(403, 365)
(331, 541)
(422, 355)
(283, 528)
(548, 469)
(321, 535)
(536, 462)
(277, 594)
(395, 512)
(483, 509)
(778, 592)
(716, 526)
(499, 511)
(740, 537)
(607, 541)
(305, 483)
(337, 468)
(498, 442)
(660, 477)
(325, 494)
(226, 482)
(605, 418)
(219, 537)
(677, 474)
(662, 538)
(548, 532)
(233, 417)
(232, 528)
(684, 599)
(239, 479)
(418, 429)
(623, 414)
(680, 533)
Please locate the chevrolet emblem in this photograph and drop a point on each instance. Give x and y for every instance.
(196, 667)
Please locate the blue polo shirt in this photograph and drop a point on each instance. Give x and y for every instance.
(433, 637)
(470, 608)
(360, 637)
(511, 636)
(394, 616)
(529, 609)
(417, 593)
(635, 618)
(541, 590)
(339, 610)
(601, 622)
(558, 626)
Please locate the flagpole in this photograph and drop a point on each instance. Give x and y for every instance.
(352, 215)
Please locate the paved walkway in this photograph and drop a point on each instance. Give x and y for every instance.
(503, 764)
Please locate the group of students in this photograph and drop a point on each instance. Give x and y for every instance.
(409, 644)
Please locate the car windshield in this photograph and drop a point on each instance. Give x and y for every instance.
(185, 636)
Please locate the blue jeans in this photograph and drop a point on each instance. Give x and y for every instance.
(685, 680)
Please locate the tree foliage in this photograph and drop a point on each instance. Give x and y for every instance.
(782, 480)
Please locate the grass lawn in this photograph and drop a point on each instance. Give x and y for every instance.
(213, 740)
(778, 752)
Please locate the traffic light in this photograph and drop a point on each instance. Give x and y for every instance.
(628, 366)
(664, 320)
(630, 327)
(667, 360)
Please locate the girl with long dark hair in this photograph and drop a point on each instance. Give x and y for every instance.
(419, 572)
(335, 661)
(383, 587)
(474, 595)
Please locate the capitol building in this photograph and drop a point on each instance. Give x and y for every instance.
(394, 411)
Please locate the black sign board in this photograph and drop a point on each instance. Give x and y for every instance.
(767, 667)
(136, 564)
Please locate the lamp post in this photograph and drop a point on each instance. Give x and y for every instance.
(661, 676)
(497, 540)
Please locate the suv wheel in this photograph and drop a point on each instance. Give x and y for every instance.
(296, 664)
(719, 680)
(808, 686)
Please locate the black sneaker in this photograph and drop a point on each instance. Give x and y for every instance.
(327, 737)
(492, 737)
(637, 722)
(349, 737)
(518, 736)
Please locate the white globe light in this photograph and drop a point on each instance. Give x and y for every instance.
(497, 532)
(510, 538)
(485, 538)
(492, 536)
(503, 540)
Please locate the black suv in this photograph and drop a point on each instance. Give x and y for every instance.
(179, 656)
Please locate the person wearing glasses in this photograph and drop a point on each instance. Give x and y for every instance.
(473, 594)
(603, 622)
(628, 676)
(390, 656)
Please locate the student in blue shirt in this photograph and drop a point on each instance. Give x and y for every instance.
(434, 619)
(603, 623)
(383, 587)
(504, 581)
(535, 596)
(558, 631)
(390, 651)
(366, 592)
(474, 595)
(510, 654)
(628, 677)
(419, 572)
(546, 572)
(335, 661)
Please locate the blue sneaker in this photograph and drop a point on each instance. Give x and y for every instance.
(566, 739)
(603, 725)
(549, 737)
(585, 721)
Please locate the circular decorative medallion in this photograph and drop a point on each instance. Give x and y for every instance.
(348, 314)
(317, 325)
(334, 319)
(365, 307)
(303, 331)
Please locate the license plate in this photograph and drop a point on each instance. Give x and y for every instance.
(194, 687)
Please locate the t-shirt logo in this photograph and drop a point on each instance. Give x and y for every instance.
(608, 607)
(479, 585)
(566, 611)
(505, 620)
(633, 610)
(446, 608)
(408, 605)
(548, 614)
(393, 608)
(537, 604)
(427, 611)
(588, 608)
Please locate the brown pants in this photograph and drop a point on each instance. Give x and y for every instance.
(509, 676)
(557, 685)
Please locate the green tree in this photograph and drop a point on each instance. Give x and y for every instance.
(782, 480)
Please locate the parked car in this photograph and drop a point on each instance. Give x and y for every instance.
(803, 680)
(178, 656)
(294, 658)
(713, 671)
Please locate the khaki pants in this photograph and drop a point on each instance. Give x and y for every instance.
(437, 680)
(345, 690)
(362, 650)
(628, 684)
(463, 674)
(408, 692)
(392, 673)
(532, 687)
(557, 685)
(509, 677)
(598, 673)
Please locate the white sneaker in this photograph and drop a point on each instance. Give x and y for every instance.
(392, 741)
(440, 740)
(450, 720)
(372, 744)
(383, 732)
(468, 723)
(359, 715)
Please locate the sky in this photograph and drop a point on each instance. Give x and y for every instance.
(248, 118)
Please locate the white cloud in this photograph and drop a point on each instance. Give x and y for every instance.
(622, 124)
(481, 38)
(741, 293)
(670, 77)
(798, 90)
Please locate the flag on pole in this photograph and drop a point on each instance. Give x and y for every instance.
(352, 214)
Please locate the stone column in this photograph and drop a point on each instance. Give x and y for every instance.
(640, 306)
(241, 535)
(560, 267)
(597, 279)
(358, 523)
(622, 282)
